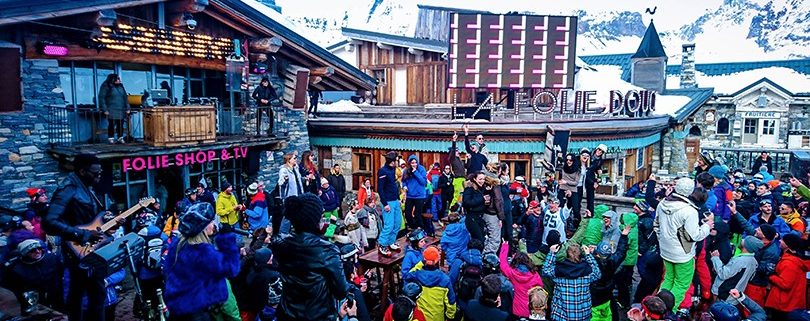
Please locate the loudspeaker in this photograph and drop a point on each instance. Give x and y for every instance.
(112, 257)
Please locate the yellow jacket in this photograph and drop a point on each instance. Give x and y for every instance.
(225, 205)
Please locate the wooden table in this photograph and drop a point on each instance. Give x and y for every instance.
(389, 267)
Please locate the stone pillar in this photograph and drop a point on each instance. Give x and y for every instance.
(675, 147)
(293, 125)
(24, 135)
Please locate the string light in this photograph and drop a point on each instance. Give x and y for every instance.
(161, 41)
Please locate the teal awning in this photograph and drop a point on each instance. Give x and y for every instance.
(513, 147)
(498, 147)
(615, 145)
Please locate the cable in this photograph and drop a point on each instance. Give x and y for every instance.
(59, 26)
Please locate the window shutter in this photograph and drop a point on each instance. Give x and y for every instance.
(10, 85)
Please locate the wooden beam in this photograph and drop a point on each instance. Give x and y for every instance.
(79, 53)
(314, 79)
(415, 52)
(384, 46)
(230, 23)
(190, 6)
(322, 71)
(266, 45)
(56, 12)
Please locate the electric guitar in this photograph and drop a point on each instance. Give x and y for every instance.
(98, 224)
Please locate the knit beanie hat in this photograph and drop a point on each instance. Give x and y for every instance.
(431, 255)
(225, 185)
(774, 184)
(262, 256)
(304, 212)
(29, 245)
(752, 244)
(33, 193)
(724, 311)
(793, 241)
(553, 237)
(667, 297)
(412, 290)
(685, 186)
(195, 219)
(324, 181)
(717, 171)
(604, 249)
(768, 231)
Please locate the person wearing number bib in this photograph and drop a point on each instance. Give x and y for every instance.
(554, 219)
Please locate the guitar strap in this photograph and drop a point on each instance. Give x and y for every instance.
(95, 198)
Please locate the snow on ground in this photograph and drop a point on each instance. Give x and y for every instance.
(340, 106)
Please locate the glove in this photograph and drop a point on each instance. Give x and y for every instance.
(225, 228)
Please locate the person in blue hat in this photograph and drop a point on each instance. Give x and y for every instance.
(198, 265)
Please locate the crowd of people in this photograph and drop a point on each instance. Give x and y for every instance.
(719, 244)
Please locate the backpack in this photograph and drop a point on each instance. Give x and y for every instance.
(468, 282)
(153, 255)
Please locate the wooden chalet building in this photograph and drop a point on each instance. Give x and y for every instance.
(637, 146)
(55, 54)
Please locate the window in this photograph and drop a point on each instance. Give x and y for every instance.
(768, 126)
(640, 158)
(10, 83)
(750, 126)
(85, 88)
(722, 126)
(379, 74)
(620, 166)
(518, 168)
(695, 131)
(136, 78)
(362, 163)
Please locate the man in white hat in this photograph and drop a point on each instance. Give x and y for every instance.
(678, 229)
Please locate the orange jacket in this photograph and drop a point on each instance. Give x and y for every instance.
(788, 284)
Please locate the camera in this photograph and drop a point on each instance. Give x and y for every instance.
(191, 24)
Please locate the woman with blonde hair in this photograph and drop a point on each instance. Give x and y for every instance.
(538, 303)
(197, 268)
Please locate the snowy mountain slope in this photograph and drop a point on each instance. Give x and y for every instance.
(736, 30)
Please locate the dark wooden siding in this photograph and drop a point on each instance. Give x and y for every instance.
(10, 89)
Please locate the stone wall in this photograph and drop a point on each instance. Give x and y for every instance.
(23, 136)
(293, 125)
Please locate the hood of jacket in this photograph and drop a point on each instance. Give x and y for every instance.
(570, 270)
(599, 210)
(471, 256)
(723, 230)
(629, 219)
(790, 218)
(413, 158)
(670, 207)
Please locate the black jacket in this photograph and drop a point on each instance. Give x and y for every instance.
(312, 276)
(758, 163)
(446, 184)
(602, 289)
(458, 169)
(262, 92)
(476, 162)
(252, 294)
(44, 277)
(338, 182)
(590, 175)
(646, 235)
(72, 204)
(480, 311)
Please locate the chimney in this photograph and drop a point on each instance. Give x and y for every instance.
(688, 66)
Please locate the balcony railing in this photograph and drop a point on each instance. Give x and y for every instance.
(744, 158)
(74, 126)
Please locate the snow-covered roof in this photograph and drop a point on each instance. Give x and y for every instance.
(789, 79)
(604, 78)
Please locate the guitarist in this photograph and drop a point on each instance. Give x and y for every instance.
(74, 203)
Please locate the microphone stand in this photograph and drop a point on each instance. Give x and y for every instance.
(144, 307)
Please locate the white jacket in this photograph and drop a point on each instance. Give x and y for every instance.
(676, 223)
